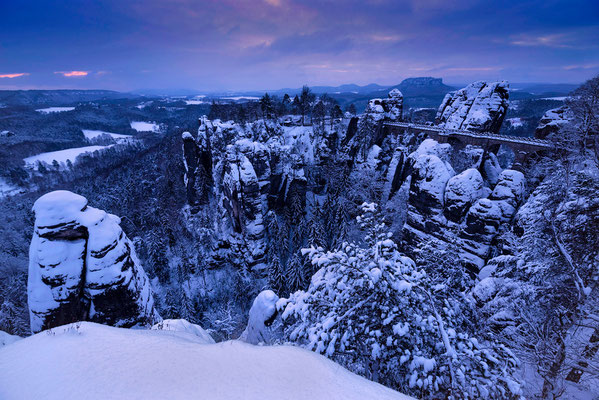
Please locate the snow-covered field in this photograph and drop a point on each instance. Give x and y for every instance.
(120, 138)
(195, 102)
(560, 98)
(61, 155)
(91, 361)
(236, 98)
(54, 109)
(141, 126)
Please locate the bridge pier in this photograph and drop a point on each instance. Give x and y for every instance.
(520, 158)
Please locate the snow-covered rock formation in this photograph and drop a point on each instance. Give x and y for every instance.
(262, 315)
(82, 267)
(466, 209)
(478, 107)
(249, 170)
(552, 121)
(390, 108)
(461, 192)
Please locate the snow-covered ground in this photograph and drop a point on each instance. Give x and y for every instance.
(560, 98)
(237, 98)
(6, 189)
(120, 138)
(141, 126)
(6, 339)
(61, 155)
(195, 102)
(54, 109)
(91, 361)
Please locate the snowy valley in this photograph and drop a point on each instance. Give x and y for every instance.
(289, 247)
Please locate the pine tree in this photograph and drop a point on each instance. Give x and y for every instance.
(276, 274)
(295, 274)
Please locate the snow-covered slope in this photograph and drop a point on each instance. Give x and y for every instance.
(6, 339)
(91, 361)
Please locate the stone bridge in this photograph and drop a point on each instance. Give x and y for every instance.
(522, 147)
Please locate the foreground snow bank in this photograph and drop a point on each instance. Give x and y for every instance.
(91, 361)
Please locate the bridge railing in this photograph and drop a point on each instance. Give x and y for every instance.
(448, 132)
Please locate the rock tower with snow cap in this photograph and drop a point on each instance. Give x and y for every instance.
(82, 267)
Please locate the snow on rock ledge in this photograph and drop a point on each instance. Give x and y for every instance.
(91, 361)
(461, 192)
(478, 107)
(82, 266)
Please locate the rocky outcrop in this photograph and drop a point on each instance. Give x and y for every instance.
(552, 121)
(479, 107)
(459, 209)
(82, 267)
(197, 157)
(262, 315)
(389, 109)
(485, 217)
(242, 199)
(461, 192)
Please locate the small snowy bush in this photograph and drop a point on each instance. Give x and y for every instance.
(370, 309)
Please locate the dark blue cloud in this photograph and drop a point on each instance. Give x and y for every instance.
(256, 44)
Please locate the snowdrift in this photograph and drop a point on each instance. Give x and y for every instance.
(92, 361)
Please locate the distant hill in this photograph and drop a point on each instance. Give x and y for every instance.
(423, 87)
(545, 88)
(57, 97)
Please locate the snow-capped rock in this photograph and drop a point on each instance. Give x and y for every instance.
(262, 315)
(389, 109)
(478, 107)
(197, 157)
(461, 192)
(552, 121)
(429, 178)
(82, 267)
(182, 325)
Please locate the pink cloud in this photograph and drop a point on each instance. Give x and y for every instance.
(70, 74)
(10, 76)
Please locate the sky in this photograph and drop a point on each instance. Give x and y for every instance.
(236, 45)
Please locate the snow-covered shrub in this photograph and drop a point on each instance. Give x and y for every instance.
(371, 309)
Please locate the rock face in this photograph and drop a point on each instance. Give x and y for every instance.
(461, 192)
(487, 214)
(82, 267)
(242, 199)
(389, 109)
(466, 209)
(197, 155)
(479, 107)
(552, 121)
